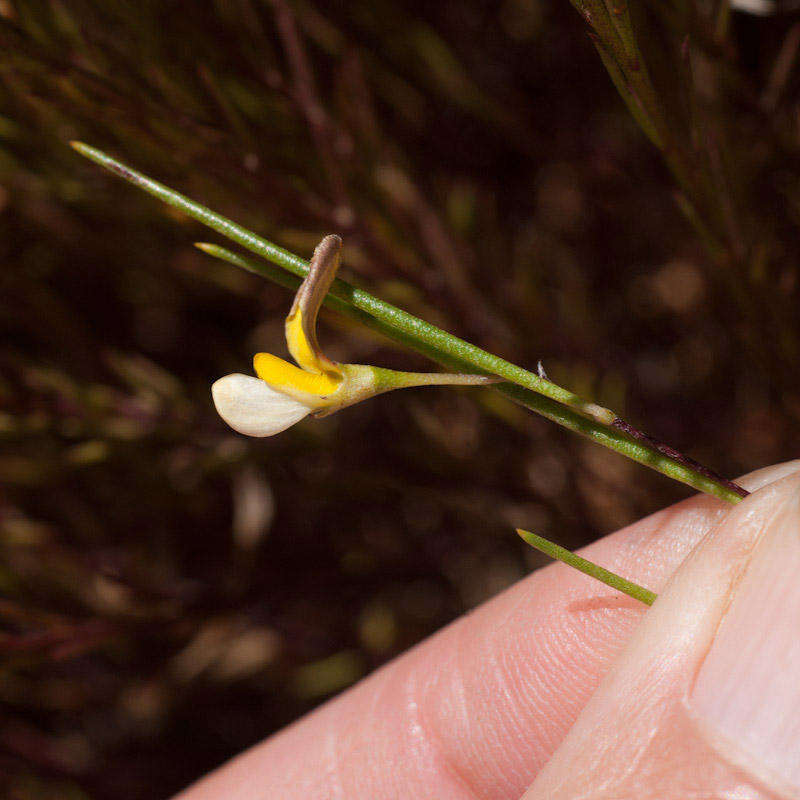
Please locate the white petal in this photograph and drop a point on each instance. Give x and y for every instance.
(251, 407)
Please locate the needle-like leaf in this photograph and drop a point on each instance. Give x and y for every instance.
(524, 387)
(588, 567)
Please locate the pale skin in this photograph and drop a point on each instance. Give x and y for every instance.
(559, 686)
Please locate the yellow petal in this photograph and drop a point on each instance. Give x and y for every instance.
(301, 347)
(301, 324)
(309, 387)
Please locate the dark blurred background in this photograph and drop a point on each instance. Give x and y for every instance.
(171, 592)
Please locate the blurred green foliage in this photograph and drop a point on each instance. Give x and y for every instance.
(171, 592)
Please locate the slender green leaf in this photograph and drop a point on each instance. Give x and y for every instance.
(588, 567)
(524, 387)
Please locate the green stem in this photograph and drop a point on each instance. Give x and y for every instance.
(389, 379)
(524, 387)
(588, 567)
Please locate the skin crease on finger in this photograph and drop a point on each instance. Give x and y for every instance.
(478, 709)
(641, 734)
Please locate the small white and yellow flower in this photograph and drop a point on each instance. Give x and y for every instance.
(283, 393)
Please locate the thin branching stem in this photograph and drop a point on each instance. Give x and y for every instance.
(524, 387)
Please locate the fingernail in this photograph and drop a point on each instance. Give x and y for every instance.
(747, 692)
(762, 477)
